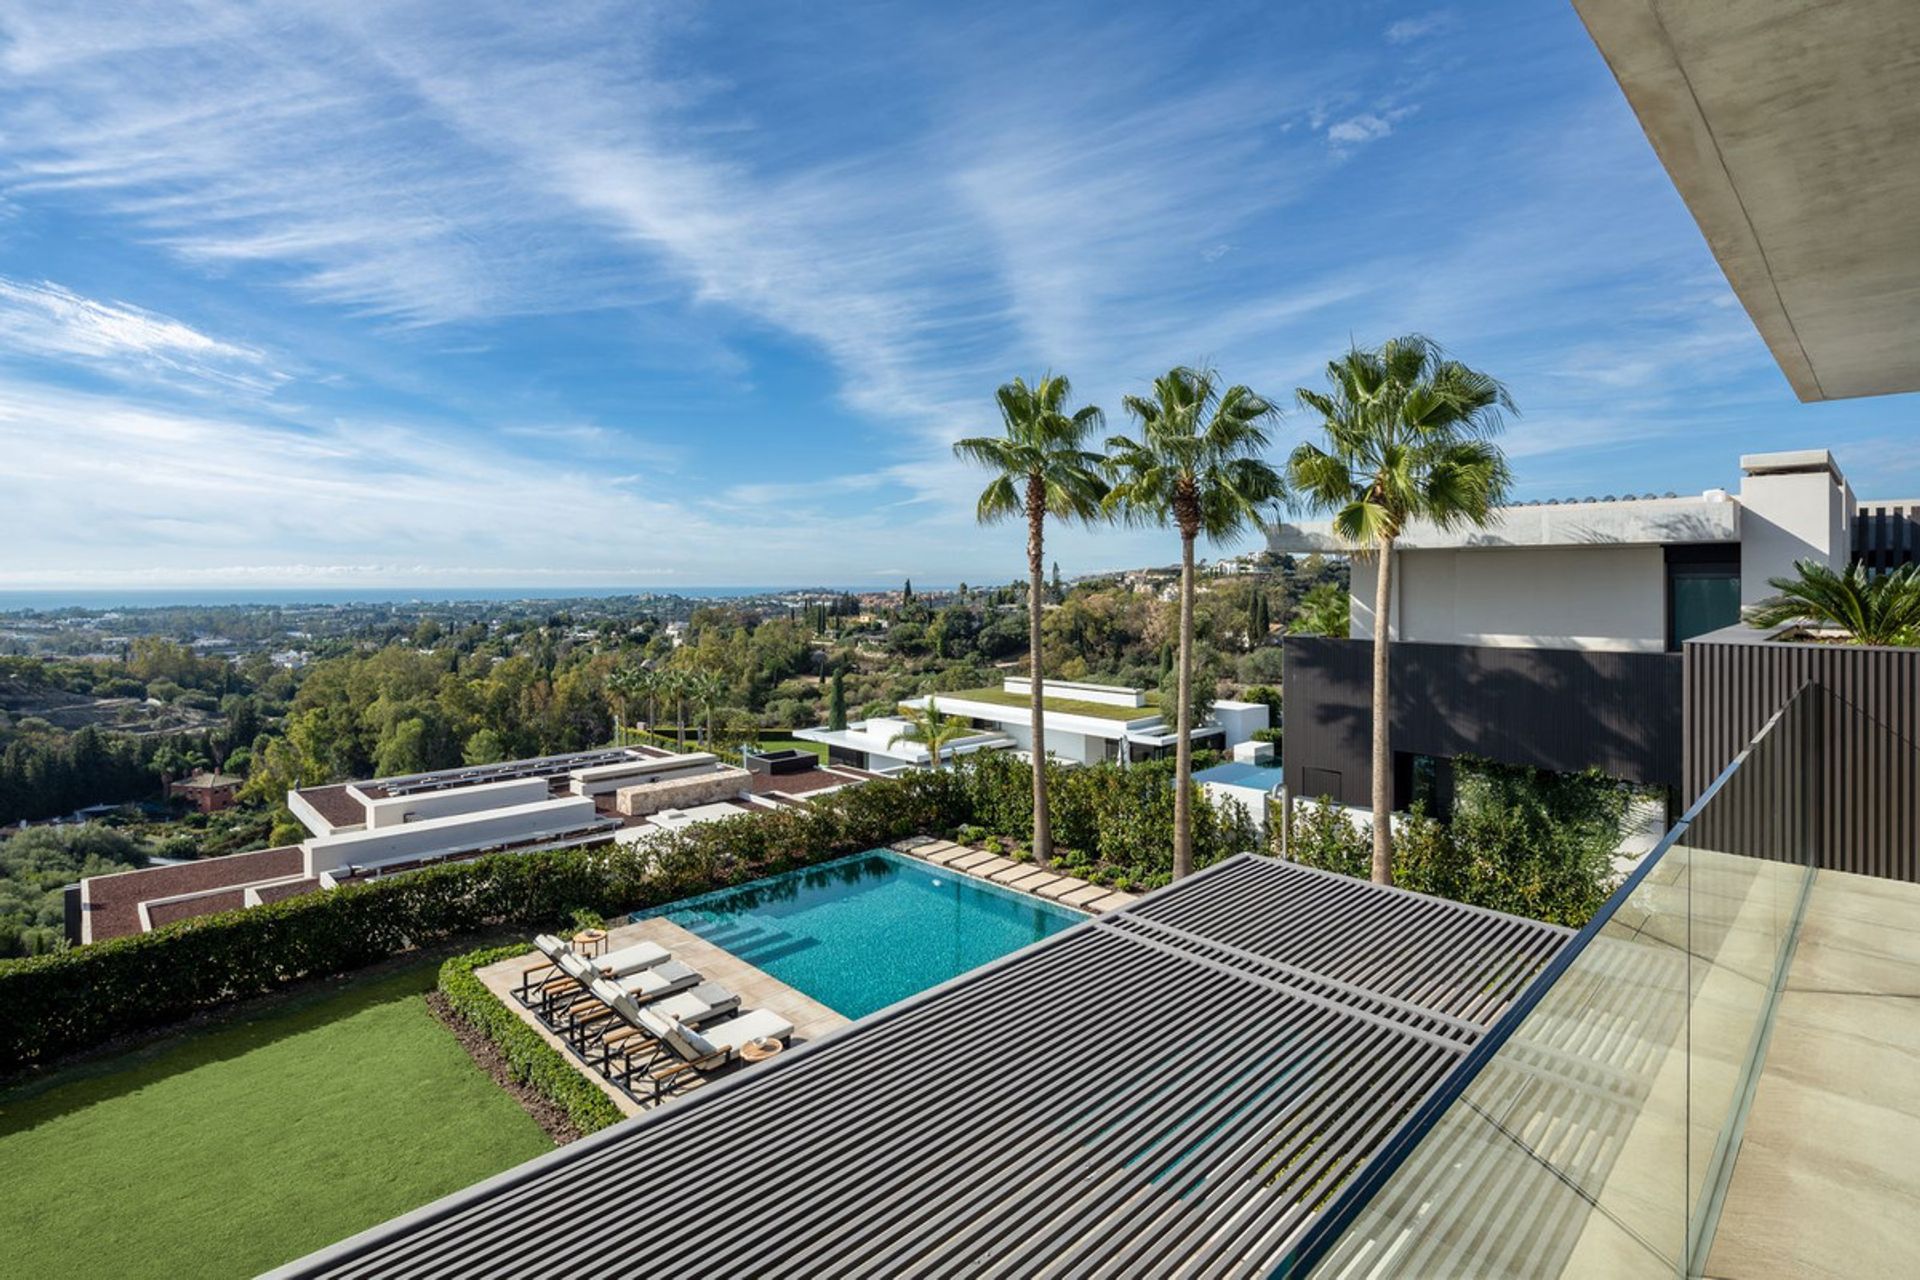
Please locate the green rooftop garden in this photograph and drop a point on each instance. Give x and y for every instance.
(1065, 706)
(232, 1149)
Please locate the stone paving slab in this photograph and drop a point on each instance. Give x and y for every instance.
(1062, 887)
(973, 858)
(1028, 876)
(756, 988)
(1018, 871)
(1085, 895)
(987, 870)
(949, 855)
(1111, 902)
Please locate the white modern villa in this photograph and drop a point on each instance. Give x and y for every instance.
(372, 828)
(1083, 724)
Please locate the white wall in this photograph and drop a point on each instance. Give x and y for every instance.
(1240, 719)
(1788, 515)
(600, 780)
(311, 817)
(1112, 695)
(461, 833)
(421, 806)
(1600, 597)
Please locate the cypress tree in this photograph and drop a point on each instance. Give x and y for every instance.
(837, 702)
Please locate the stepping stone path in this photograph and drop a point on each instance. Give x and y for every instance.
(1023, 876)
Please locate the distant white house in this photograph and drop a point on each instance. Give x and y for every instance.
(1082, 723)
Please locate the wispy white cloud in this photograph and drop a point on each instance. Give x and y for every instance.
(1407, 30)
(40, 318)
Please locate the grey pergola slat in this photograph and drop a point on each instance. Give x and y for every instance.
(1169, 1089)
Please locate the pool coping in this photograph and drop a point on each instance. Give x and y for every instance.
(1020, 877)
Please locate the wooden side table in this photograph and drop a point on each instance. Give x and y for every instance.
(590, 942)
(760, 1050)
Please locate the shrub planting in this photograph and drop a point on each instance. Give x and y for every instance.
(531, 1060)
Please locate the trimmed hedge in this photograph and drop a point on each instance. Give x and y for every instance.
(531, 1060)
(57, 1004)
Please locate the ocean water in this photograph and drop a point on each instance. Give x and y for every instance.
(178, 597)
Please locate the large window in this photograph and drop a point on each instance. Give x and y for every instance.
(1703, 591)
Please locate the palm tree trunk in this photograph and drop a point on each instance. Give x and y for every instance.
(1382, 746)
(1183, 721)
(1036, 521)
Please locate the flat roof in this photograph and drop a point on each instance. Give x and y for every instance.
(1791, 128)
(1604, 522)
(1178, 1084)
(1059, 706)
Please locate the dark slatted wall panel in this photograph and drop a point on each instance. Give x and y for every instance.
(1559, 709)
(1886, 535)
(1862, 772)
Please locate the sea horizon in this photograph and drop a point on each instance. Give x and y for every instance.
(35, 599)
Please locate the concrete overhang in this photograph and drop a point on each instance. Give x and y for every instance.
(1637, 523)
(1792, 130)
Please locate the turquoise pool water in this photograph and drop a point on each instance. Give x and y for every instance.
(1265, 777)
(859, 933)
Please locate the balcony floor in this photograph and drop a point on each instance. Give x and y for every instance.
(1827, 1180)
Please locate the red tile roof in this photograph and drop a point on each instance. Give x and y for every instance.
(112, 902)
(335, 805)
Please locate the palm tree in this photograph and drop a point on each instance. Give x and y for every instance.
(651, 685)
(625, 686)
(1408, 437)
(931, 727)
(1197, 467)
(1871, 608)
(1324, 611)
(706, 688)
(673, 687)
(1040, 469)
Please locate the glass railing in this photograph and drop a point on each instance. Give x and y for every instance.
(1591, 1131)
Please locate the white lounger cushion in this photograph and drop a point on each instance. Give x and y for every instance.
(701, 1004)
(726, 1037)
(641, 955)
(550, 947)
(660, 980)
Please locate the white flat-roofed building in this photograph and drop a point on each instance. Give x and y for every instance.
(1083, 724)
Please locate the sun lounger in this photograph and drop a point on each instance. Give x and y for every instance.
(634, 1030)
(596, 1001)
(714, 1045)
(631, 959)
(568, 972)
(537, 975)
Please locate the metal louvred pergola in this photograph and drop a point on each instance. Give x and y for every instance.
(1169, 1089)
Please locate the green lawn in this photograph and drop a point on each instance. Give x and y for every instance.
(1065, 706)
(771, 742)
(230, 1150)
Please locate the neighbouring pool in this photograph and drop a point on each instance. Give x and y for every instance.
(1262, 777)
(859, 933)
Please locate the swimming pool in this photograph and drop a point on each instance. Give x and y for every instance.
(1261, 777)
(859, 933)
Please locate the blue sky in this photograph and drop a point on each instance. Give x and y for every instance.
(361, 294)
